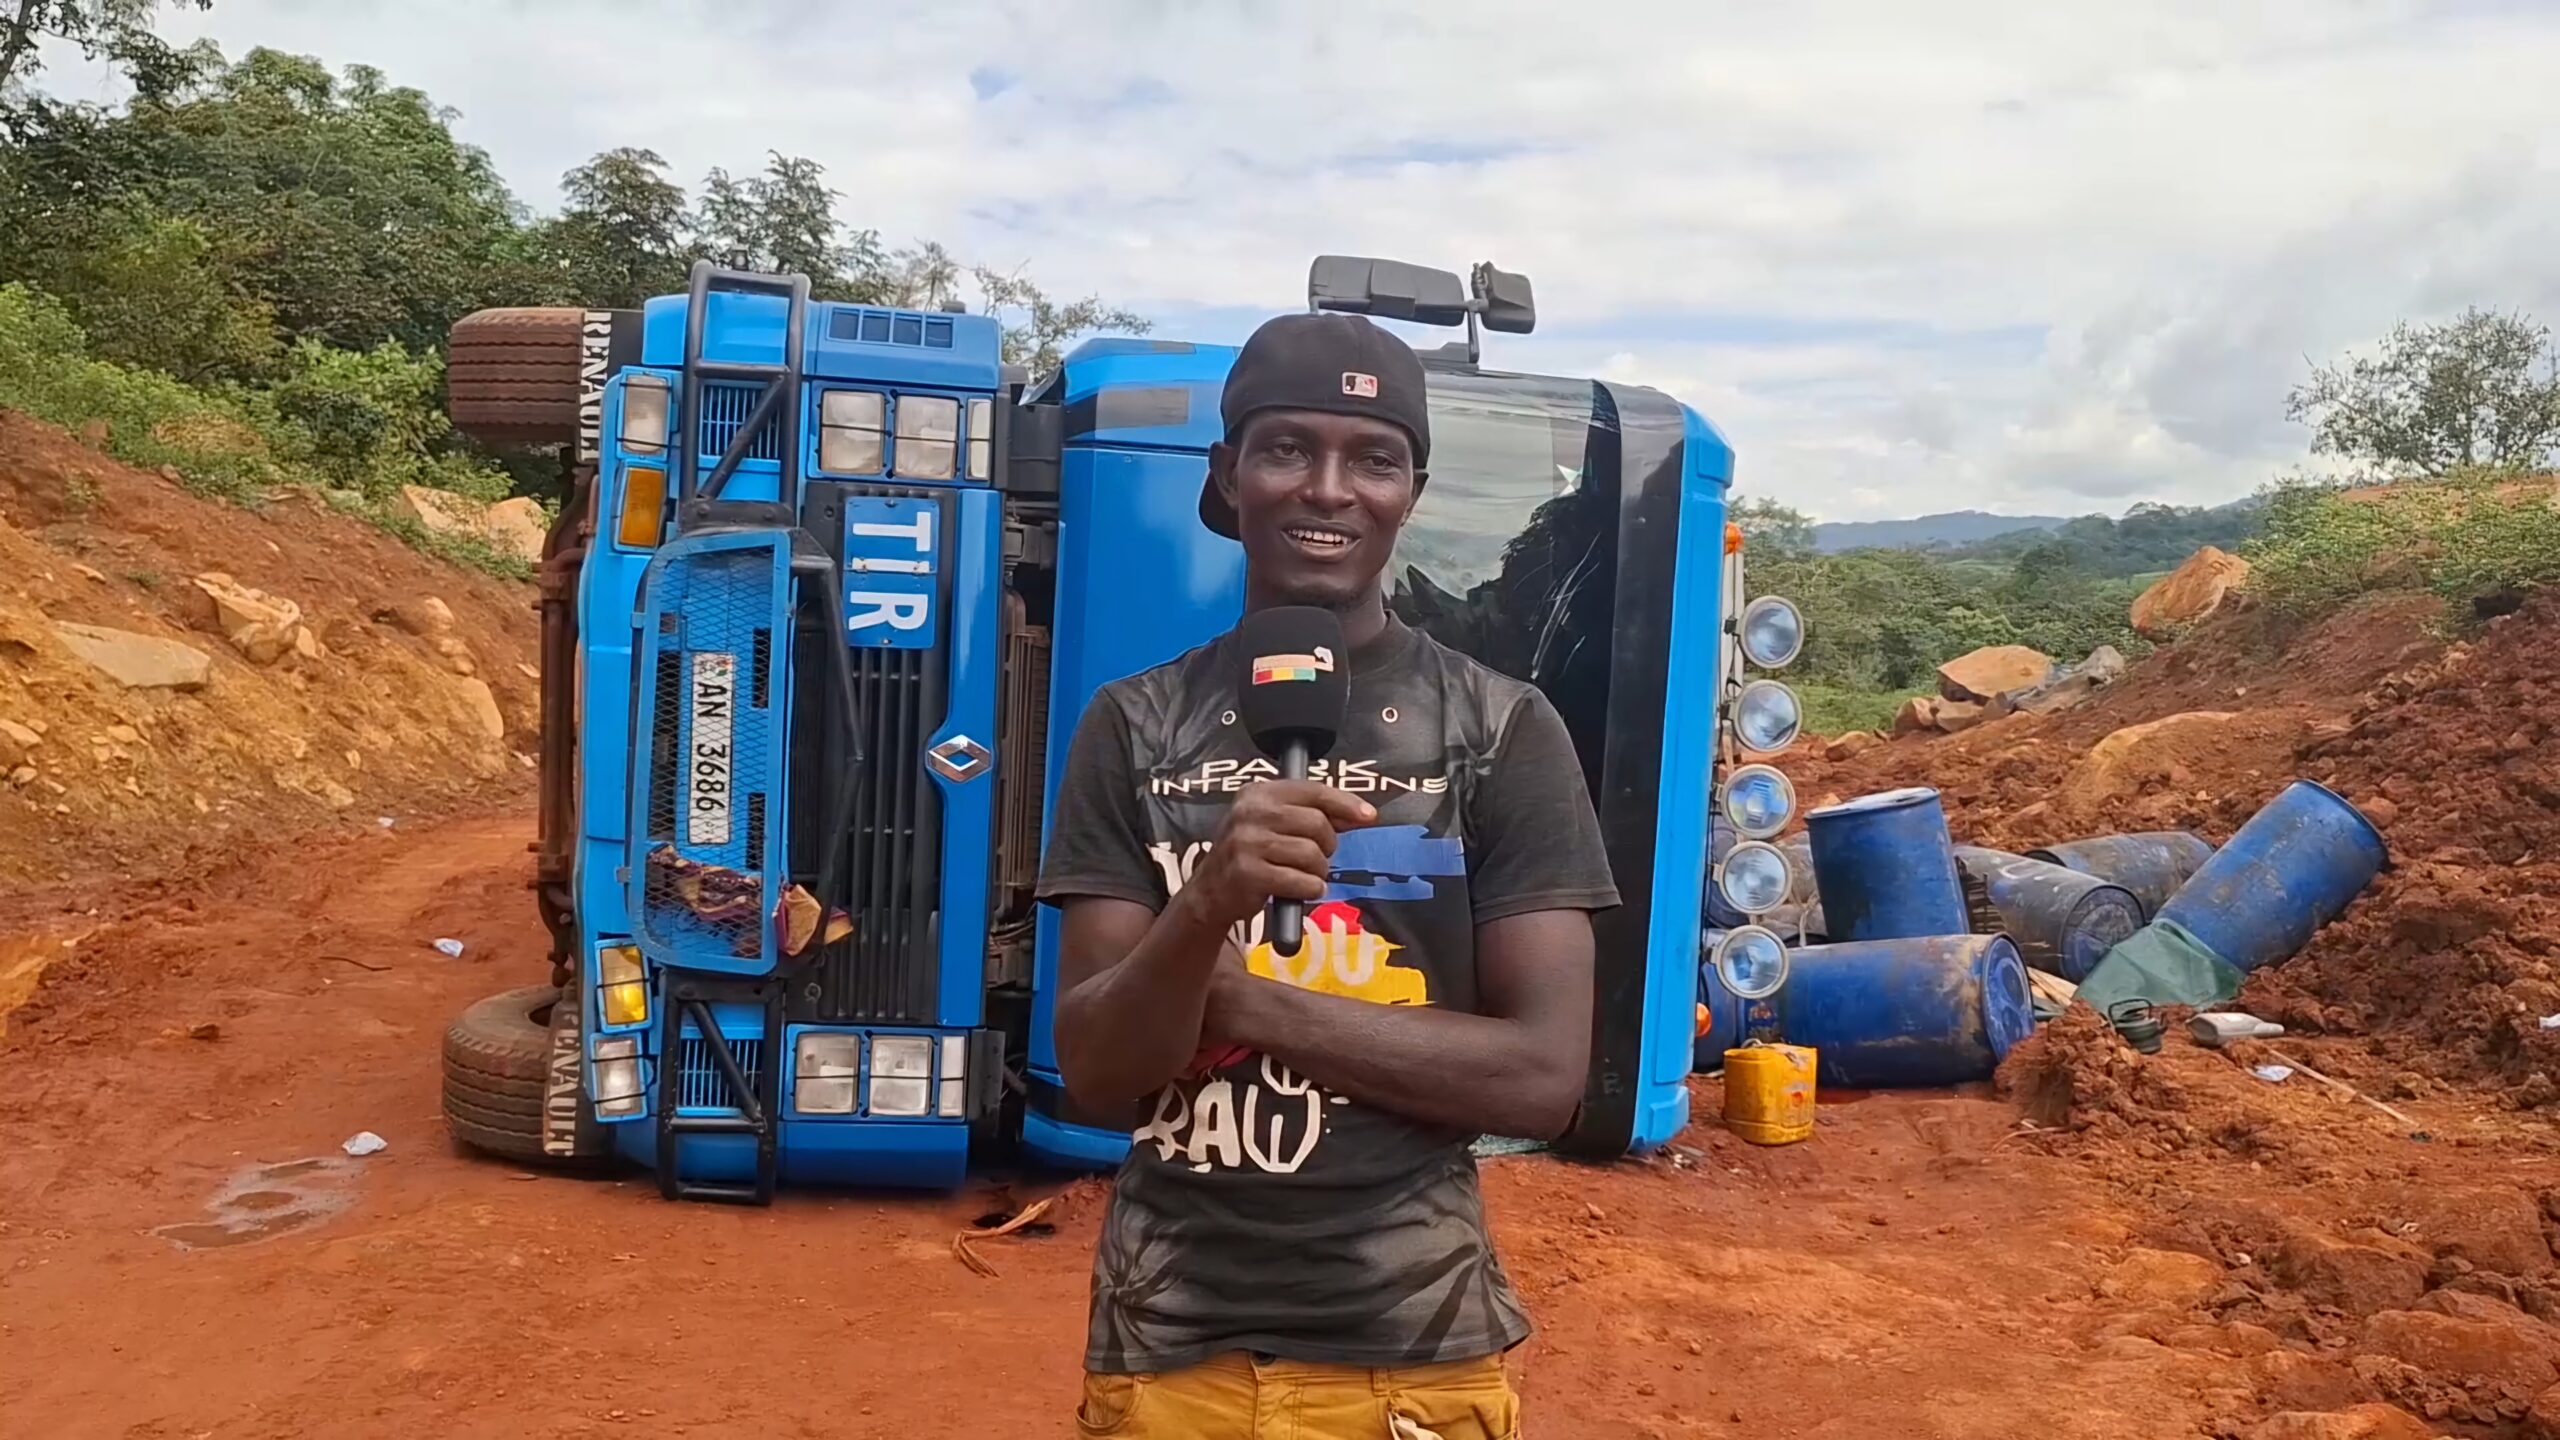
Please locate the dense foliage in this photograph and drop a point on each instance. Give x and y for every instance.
(286, 247)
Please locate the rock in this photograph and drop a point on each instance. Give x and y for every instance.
(124, 735)
(457, 655)
(517, 527)
(89, 574)
(140, 662)
(1856, 742)
(2111, 763)
(2161, 1277)
(2378, 810)
(16, 740)
(2542, 1421)
(2359, 1279)
(1917, 715)
(306, 643)
(1956, 715)
(2468, 1304)
(426, 617)
(2476, 1352)
(2296, 1381)
(484, 705)
(2188, 594)
(338, 796)
(2068, 688)
(2363, 1422)
(22, 777)
(1993, 670)
(2494, 1227)
(259, 625)
(440, 512)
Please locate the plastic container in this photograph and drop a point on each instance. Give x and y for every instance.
(2151, 864)
(2290, 870)
(2064, 922)
(1919, 1011)
(1886, 868)
(1769, 1093)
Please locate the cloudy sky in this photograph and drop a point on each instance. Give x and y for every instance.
(2024, 257)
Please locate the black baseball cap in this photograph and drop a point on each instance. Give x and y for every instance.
(1338, 364)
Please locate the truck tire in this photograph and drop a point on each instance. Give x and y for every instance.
(496, 1057)
(511, 375)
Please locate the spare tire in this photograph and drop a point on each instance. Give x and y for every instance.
(511, 375)
(497, 1057)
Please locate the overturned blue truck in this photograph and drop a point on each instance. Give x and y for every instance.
(831, 586)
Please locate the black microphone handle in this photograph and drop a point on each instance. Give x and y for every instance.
(1286, 925)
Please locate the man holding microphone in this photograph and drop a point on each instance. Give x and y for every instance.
(1297, 1245)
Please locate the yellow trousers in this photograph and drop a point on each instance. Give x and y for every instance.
(1242, 1397)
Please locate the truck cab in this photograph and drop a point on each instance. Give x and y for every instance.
(850, 581)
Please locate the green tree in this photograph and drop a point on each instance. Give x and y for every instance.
(2482, 389)
(115, 30)
(784, 222)
(1771, 528)
(621, 237)
(1038, 329)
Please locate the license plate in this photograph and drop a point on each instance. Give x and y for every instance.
(709, 769)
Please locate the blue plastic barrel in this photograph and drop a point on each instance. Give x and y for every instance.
(2151, 864)
(1886, 867)
(1931, 1010)
(2289, 871)
(2064, 922)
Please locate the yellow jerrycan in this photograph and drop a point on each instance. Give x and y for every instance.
(1768, 1093)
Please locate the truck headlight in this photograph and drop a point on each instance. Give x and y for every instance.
(619, 1086)
(853, 432)
(928, 437)
(902, 1075)
(1759, 800)
(1772, 632)
(826, 1072)
(647, 403)
(1767, 716)
(1754, 877)
(1751, 962)
(622, 992)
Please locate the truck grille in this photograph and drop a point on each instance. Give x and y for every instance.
(889, 970)
(699, 1083)
(726, 406)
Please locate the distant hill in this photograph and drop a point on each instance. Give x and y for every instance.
(1956, 527)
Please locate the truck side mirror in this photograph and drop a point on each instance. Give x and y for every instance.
(1387, 289)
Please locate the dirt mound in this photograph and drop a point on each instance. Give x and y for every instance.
(2026, 780)
(2448, 965)
(325, 676)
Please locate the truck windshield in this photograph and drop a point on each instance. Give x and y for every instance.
(1511, 556)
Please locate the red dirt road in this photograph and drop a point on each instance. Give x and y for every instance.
(1912, 1271)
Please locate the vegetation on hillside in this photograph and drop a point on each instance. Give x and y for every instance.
(247, 271)
(2462, 418)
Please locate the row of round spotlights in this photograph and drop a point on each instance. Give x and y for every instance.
(1758, 801)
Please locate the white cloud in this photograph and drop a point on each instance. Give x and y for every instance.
(1909, 257)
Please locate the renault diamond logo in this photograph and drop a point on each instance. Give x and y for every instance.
(959, 759)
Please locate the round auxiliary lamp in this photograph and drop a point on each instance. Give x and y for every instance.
(1756, 717)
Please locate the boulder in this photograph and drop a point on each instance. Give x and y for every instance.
(2361, 1279)
(15, 741)
(440, 512)
(517, 528)
(1917, 715)
(1856, 742)
(1993, 670)
(426, 617)
(483, 703)
(260, 626)
(2496, 1228)
(2188, 594)
(2068, 687)
(2117, 759)
(2475, 1352)
(1955, 715)
(140, 662)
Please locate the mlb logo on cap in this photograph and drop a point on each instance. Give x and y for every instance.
(1355, 383)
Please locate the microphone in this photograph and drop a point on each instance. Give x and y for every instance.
(1292, 702)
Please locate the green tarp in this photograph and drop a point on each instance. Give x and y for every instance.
(2165, 965)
